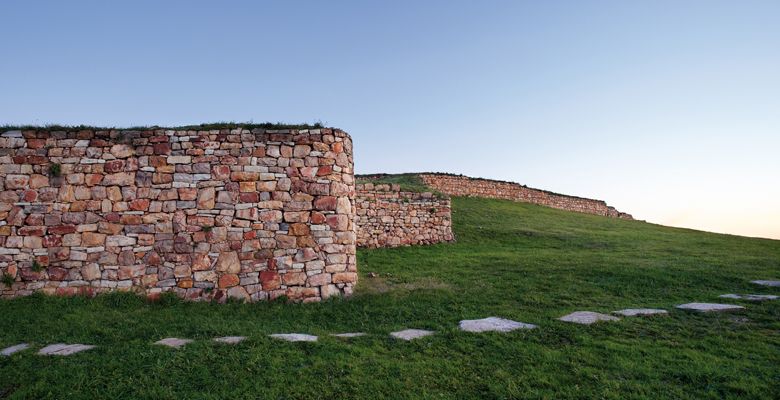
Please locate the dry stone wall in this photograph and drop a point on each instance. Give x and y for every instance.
(208, 214)
(389, 217)
(459, 185)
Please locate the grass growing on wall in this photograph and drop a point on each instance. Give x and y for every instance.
(204, 126)
(512, 260)
(407, 182)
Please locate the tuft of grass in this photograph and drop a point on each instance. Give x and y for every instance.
(409, 182)
(55, 170)
(7, 280)
(204, 126)
(206, 228)
(36, 266)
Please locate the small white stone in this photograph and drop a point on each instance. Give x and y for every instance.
(410, 334)
(750, 297)
(705, 307)
(349, 334)
(494, 324)
(230, 339)
(587, 317)
(173, 342)
(767, 283)
(14, 349)
(62, 349)
(294, 337)
(633, 312)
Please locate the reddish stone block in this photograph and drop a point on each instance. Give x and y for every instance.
(52, 241)
(188, 193)
(29, 195)
(345, 277)
(114, 166)
(228, 280)
(324, 170)
(325, 203)
(220, 172)
(139, 204)
(253, 197)
(62, 229)
(36, 143)
(92, 179)
(32, 231)
(270, 280)
(162, 148)
(57, 273)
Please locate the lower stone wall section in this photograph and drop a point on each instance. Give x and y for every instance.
(459, 185)
(389, 217)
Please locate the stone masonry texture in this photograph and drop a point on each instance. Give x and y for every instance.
(252, 214)
(389, 217)
(459, 185)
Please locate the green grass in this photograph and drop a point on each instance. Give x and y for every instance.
(408, 182)
(518, 261)
(204, 126)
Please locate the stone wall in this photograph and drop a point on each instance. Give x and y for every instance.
(389, 217)
(209, 214)
(459, 185)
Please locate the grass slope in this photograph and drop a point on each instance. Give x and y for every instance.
(513, 260)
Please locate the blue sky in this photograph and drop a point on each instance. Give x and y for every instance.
(669, 110)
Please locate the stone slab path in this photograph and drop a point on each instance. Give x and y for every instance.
(767, 283)
(294, 337)
(633, 312)
(709, 307)
(411, 334)
(750, 297)
(492, 324)
(587, 317)
(230, 339)
(62, 349)
(14, 349)
(349, 334)
(173, 342)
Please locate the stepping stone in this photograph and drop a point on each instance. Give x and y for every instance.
(230, 339)
(349, 334)
(587, 317)
(751, 297)
(411, 334)
(14, 349)
(294, 337)
(173, 342)
(767, 283)
(62, 349)
(493, 324)
(633, 312)
(706, 307)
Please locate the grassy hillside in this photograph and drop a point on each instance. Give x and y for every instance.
(512, 260)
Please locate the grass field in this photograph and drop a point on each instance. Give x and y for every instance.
(517, 261)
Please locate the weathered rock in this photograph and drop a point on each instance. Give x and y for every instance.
(228, 262)
(62, 349)
(349, 335)
(173, 342)
(230, 339)
(493, 324)
(767, 283)
(14, 349)
(632, 312)
(294, 337)
(411, 334)
(749, 297)
(709, 307)
(587, 317)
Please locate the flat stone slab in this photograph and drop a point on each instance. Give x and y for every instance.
(294, 337)
(62, 349)
(707, 307)
(173, 342)
(14, 349)
(633, 312)
(349, 334)
(230, 339)
(767, 283)
(492, 324)
(587, 317)
(411, 334)
(750, 297)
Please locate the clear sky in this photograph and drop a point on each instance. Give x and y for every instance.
(669, 110)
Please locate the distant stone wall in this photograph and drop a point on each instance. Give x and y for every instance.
(208, 214)
(389, 217)
(458, 185)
